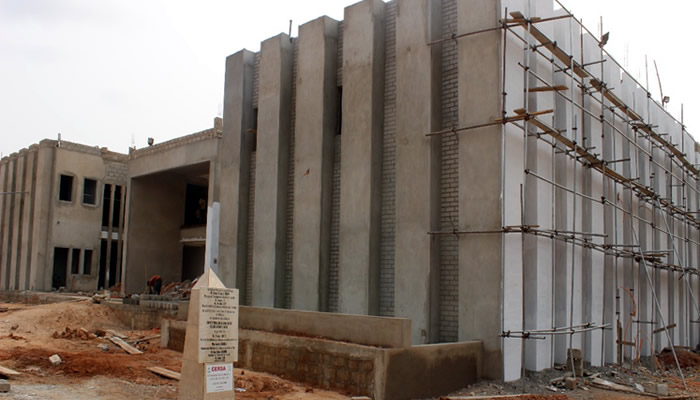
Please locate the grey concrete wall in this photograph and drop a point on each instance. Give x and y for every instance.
(359, 329)
(274, 120)
(233, 174)
(480, 192)
(361, 152)
(156, 207)
(316, 96)
(417, 164)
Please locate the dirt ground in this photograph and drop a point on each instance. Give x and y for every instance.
(30, 334)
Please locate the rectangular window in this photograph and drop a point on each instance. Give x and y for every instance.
(89, 191)
(65, 192)
(75, 262)
(87, 262)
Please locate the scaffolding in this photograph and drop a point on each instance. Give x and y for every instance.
(671, 212)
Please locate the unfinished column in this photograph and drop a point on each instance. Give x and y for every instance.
(316, 108)
(480, 180)
(234, 164)
(41, 272)
(417, 162)
(271, 170)
(361, 151)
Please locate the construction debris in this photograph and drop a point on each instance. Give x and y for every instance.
(4, 386)
(125, 346)
(68, 333)
(165, 372)
(7, 372)
(55, 360)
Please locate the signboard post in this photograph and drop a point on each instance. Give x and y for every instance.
(211, 341)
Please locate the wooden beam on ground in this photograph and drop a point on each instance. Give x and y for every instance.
(165, 372)
(4, 371)
(125, 346)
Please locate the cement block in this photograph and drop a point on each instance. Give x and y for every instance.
(4, 386)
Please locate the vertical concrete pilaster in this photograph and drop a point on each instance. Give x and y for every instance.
(41, 196)
(24, 263)
(271, 171)
(361, 152)
(9, 252)
(417, 164)
(18, 225)
(480, 182)
(316, 109)
(234, 156)
(4, 201)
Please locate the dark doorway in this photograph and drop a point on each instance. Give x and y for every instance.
(196, 205)
(60, 266)
(113, 256)
(112, 262)
(192, 262)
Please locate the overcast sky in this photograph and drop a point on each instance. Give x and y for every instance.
(115, 72)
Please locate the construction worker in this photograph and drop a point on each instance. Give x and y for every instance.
(154, 284)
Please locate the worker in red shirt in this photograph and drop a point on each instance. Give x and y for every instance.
(154, 284)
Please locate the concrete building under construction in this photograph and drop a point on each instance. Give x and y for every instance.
(483, 168)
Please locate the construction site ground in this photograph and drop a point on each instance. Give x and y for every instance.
(77, 330)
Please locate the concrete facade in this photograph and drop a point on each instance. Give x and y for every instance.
(423, 222)
(53, 234)
(380, 166)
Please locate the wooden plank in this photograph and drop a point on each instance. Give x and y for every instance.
(556, 88)
(115, 333)
(125, 346)
(8, 372)
(165, 372)
(551, 46)
(603, 384)
(623, 342)
(664, 328)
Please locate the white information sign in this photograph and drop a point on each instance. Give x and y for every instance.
(218, 325)
(219, 378)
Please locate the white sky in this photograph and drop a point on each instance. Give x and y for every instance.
(111, 71)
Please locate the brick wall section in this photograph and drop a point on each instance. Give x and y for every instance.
(116, 172)
(290, 186)
(449, 189)
(248, 295)
(335, 230)
(339, 57)
(256, 80)
(329, 371)
(388, 211)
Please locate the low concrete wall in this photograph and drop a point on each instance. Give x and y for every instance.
(382, 374)
(358, 329)
(37, 297)
(137, 317)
